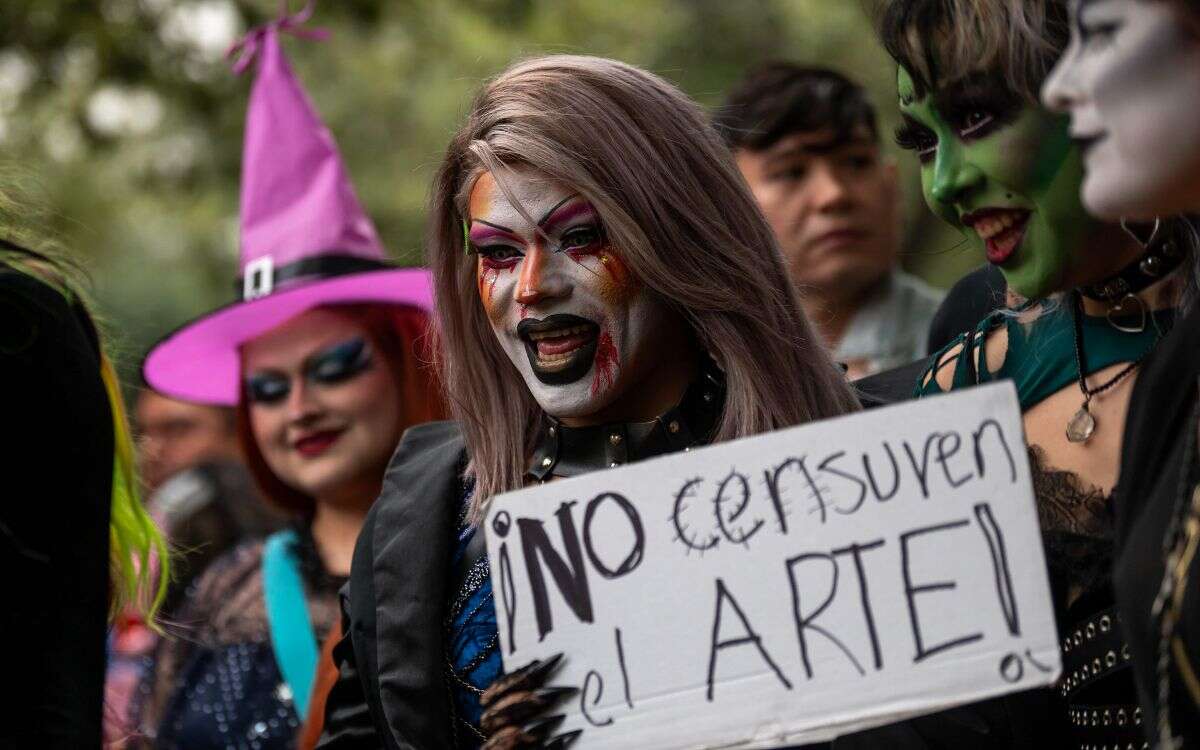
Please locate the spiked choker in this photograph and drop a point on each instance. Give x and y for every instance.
(563, 451)
(1162, 256)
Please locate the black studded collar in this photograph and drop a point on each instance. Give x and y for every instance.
(1162, 256)
(562, 451)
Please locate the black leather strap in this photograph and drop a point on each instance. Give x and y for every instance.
(316, 267)
(563, 451)
(1162, 256)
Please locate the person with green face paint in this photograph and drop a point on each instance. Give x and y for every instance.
(1087, 302)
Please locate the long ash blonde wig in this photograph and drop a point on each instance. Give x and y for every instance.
(673, 206)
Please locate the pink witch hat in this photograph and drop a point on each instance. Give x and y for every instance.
(305, 239)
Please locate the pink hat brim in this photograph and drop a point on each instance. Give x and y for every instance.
(200, 361)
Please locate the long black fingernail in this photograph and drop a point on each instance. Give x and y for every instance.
(539, 673)
(525, 669)
(551, 695)
(564, 740)
(540, 730)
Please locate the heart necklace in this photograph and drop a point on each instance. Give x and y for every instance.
(1082, 425)
(1126, 311)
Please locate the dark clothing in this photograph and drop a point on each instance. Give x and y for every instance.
(472, 635)
(890, 386)
(54, 521)
(970, 300)
(1159, 472)
(1076, 518)
(391, 691)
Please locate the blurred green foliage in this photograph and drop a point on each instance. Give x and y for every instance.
(126, 115)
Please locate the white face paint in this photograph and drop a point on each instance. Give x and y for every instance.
(573, 320)
(1130, 80)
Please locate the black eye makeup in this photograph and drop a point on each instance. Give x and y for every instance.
(267, 388)
(1098, 33)
(913, 136)
(580, 238)
(499, 252)
(333, 365)
(339, 362)
(1097, 24)
(978, 106)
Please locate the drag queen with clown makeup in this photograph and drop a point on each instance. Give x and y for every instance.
(608, 292)
(1130, 81)
(1088, 301)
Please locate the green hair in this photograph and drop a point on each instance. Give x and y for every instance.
(139, 563)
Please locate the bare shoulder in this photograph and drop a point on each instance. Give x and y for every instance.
(995, 348)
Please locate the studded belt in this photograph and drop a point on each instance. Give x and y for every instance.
(1093, 651)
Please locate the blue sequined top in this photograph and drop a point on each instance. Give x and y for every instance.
(215, 684)
(472, 638)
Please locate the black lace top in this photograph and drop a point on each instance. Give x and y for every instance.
(1097, 687)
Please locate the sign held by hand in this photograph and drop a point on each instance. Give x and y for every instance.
(788, 587)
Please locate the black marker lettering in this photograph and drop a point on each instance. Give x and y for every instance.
(921, 471)
(634, 558)
(717, 644)
(1012, 669)
(737, 536)
(911, 591)
(570, 577)
(592, 675)
(1043, 668)
(871, 475)
(944, 455)
(771, 476)
(977, 437)
(508, 594)
(816, 491)
(691, 541)
(862, 486)
(805, 622)
(624, 671)
(1004, 584)
(864, 594)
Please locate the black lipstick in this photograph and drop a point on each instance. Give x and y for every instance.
(571, 365)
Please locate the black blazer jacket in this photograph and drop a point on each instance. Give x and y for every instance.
(391, 692)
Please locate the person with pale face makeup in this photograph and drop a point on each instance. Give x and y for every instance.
(322, 360)
(1087, 298)
(607, 293)
(591, 342)
(1130, 81)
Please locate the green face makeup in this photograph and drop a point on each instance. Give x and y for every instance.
(1004, 172)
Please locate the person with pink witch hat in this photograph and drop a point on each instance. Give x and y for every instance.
(323, 357)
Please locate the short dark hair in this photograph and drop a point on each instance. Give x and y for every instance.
(778, 99)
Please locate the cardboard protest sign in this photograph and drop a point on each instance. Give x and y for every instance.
(788, 587)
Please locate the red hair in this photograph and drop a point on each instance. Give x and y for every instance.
(404, 337)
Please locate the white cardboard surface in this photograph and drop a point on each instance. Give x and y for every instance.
(788, 587)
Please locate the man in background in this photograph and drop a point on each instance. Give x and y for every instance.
(176, 435)
(807, 142)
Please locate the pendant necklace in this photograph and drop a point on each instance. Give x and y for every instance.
(1082, 425)
(1126, 312)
